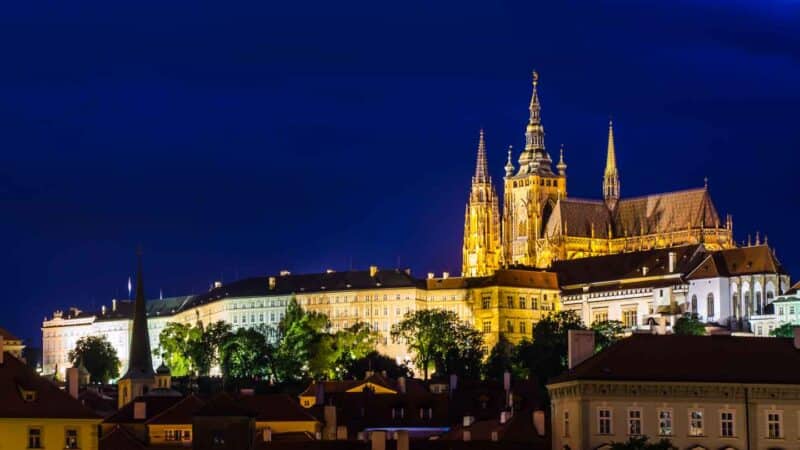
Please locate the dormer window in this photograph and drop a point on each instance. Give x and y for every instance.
(29, 396)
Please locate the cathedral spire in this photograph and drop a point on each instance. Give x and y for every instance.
(481, 169)
(611, 175)
(509, 165)
(140, 361)
(561, 166)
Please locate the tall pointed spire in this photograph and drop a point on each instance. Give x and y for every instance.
(535, 157)
(509, 165)
(481, 168)
(561, 166)
(611, 175)
(140, 360)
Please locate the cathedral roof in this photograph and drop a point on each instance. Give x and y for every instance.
(738, 261)
(650, 214)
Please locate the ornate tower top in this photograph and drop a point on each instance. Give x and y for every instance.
(534, 158)
(611, 175)
(481, 168)
(140, 361)
(561, 166)
(509, 165)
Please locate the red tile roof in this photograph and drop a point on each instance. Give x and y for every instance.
(180, 413)
(50, 401)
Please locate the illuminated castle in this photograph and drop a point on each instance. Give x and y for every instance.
(541, 224)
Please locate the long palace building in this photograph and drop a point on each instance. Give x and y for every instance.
(641, 260)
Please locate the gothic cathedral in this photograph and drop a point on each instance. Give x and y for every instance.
(540, 224)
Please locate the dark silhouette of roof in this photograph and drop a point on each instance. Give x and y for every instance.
(180, 412)
(154, 407)
(678, 358)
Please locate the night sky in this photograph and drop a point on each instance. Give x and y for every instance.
(237, 140)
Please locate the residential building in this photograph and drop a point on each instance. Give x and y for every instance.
(697, 391)
(12, 344)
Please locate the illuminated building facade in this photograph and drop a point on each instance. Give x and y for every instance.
(541, 224)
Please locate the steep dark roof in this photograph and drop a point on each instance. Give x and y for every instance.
(224, 405)
(50, 401)
(7, 336)
(179, 413)
(140, 357)
(624, 266)
(502, 277)
(677, 358)
(738, 261)
(576, 217)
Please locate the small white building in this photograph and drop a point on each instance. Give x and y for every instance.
(733, 287)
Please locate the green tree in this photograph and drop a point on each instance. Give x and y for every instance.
(786, 331)
(98, 356)
(376, 362)
(689, 325)
(192, 350)
(607, 333)
(501, 359)
(300, 336)
(245, 354)
(437, 338)
(546, 356)
(641, 443)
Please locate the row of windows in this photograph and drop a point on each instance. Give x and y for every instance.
(346, 298)
(273, 318)
(521, 302)
(36, 439)
(521, 328)
(542, 182)
(696, 420)
(259, 304)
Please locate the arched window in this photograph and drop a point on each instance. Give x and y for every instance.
(694, 304)
(748, 305)
(770, 296)
(710, 305)
(758, 303)
(737, 308)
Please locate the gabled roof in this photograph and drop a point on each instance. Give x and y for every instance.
(670, 211)
(738, 261)
(678, 358)
(154, 406)
(224, 405)
(180, 413)
(49, 402)
(120, 439)
(7, 336)
(336, 386)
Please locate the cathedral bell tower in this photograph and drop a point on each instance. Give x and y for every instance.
(611, 176)
(481, 252)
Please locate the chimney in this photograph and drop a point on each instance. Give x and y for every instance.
(453, 382)
(538, 422)
(266, 434)
(672, 256)
(373, 270)
(378, 440)
(401, 384)
(495, 436)
(72, 381)
(467, 435)
(445, 275)
(507, 381)
(402, 440)
(796, 338)
(113, 304)
(504, 416)
(644, 271)
(341, 433)
(407, 271)
(139, 410)
(217, 284)
(271, 283)
(330, 426)
(2, 349)
(661, 328)
(430, 275)
(580, 346)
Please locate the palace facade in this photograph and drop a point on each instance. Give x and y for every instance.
(541, 224)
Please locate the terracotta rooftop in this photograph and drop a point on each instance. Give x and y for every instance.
(49, 401)
(738, 261)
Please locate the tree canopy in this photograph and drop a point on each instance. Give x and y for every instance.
(98, 356)
(438, 338)
(786, 330)
(192, 350)
(607, 333)
(546, 356)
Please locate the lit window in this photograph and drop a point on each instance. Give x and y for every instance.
(634, 422)
(522, 303)
(522, 327)
(510, 301)
(487, 301)
(509, 326)
(534, 303)
(487, 326)
(629, 318)
(34, 438)
(710, 305)
(604, 421)
(775, 424)
(665, 422)
(696, 422)
(726, 424)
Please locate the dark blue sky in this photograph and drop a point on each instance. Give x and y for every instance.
(235, 140)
